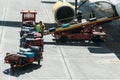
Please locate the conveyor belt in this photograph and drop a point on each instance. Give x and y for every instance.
(79, 25)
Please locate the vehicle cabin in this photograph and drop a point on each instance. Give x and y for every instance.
(28, 15)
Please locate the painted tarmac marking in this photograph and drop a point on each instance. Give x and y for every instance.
(2, 33)
(60, 50)
(114, 61)
(108, 61)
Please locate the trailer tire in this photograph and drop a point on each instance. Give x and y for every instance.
(21, 43)
(96, 39)
(12, 69)
(63, 39)
(38, 62)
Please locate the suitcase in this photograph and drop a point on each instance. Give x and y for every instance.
(65, 25)
(52, 29)
(34, 35)
(34, 41)
(24, 31)
(25, 49)
(29, 54)
(35, 49)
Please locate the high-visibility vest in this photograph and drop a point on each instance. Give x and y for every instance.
(40, 28)
(92, 15)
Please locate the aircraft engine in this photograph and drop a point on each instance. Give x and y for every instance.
(63, 12)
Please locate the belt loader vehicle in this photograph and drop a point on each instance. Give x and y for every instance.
(89, 30)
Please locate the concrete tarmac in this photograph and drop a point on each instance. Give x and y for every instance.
(70, 61)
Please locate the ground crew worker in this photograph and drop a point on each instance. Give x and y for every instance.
(92, 14)
(100, 28)
(40, 28)
(79, 16)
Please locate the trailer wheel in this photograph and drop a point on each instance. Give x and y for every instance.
(12, 69)
(38, 62)
(12, 66)
(21, 43)
(63, 39)
(96, 39)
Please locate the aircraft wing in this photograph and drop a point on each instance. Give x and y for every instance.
(79, 25)
(99, 0)
(109, 1)
(116, 3)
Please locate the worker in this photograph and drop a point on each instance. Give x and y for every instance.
(79, 16)
(92, 14)
(100, 28)
(40, 28)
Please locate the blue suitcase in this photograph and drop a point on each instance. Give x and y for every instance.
(29, 54)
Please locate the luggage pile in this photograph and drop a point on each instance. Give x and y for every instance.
(31, 43)
(31, 48)
(29, 37)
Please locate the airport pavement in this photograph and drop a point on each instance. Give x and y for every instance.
(70, 61)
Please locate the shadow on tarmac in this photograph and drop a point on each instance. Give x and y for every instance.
(98, 50)
(92, 47)
(118, 55)
(11, 23)
(104, 50)
(73, 43)
(19, 24)
(22, 70)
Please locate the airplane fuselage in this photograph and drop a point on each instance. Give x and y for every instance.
(115, 3)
